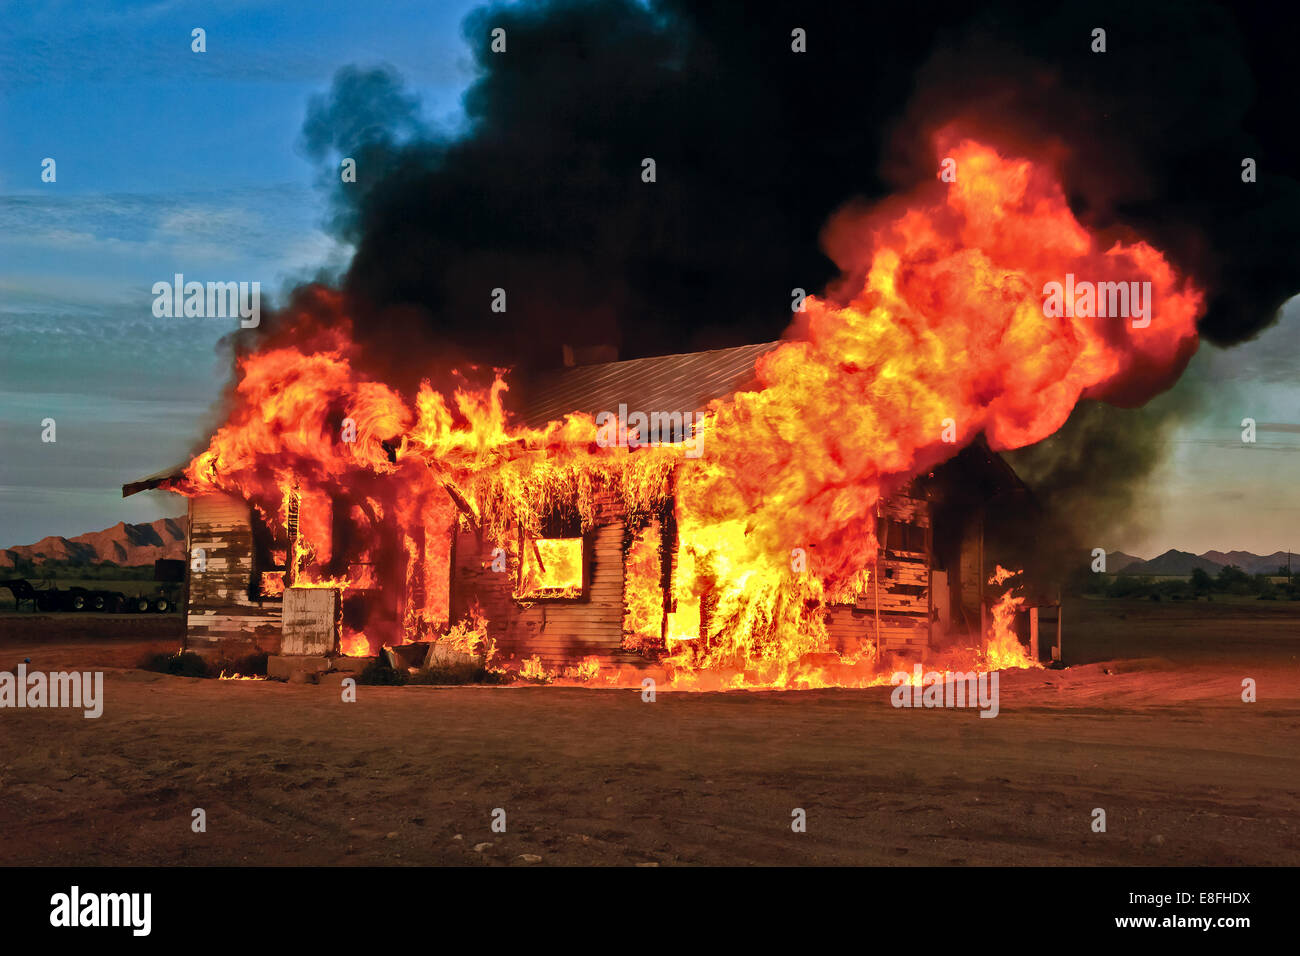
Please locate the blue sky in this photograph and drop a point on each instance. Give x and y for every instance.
(173, 161)
(167, 161)
(1212, 491)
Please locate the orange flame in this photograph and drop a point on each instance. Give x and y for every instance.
(355, 644)
(470, 637)
(936, 333)
(1002, 648)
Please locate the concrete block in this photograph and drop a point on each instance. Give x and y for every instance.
(411, 655)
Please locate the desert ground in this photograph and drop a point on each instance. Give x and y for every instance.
(1147, 723)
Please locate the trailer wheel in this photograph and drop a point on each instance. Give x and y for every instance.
(78, 602)
(98, 602)
(162, 605)
(140, 605)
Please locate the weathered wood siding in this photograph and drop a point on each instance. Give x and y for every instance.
(312, 617)
(564, 631)
(903, 588)
(852, 628)
(560, 631)
(218, 608)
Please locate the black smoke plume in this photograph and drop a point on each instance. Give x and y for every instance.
(756, 146)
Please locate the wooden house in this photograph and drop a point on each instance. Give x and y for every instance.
(936, 547)
(932, 576)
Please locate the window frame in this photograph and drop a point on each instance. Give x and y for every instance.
(584, 594)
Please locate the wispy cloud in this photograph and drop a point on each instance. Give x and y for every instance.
(268, 234)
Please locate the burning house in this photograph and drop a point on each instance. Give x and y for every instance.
(599, 593)
(780, 515)
(610, 590)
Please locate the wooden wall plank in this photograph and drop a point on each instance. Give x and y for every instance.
(218, 607)
(312, 618)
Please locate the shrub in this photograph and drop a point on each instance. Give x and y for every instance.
(379, 673)
(1126, 586)
(183, 664)
(1201, 582)
(474, 673)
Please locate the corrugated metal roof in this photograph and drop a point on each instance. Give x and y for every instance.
(662, 383)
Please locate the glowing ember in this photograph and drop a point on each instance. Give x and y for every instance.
(938, 324)
(586, 670)
(533, 669)
(355, 644)
(470, 637)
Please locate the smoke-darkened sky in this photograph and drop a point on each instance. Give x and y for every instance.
(756, 147)
(521, 170)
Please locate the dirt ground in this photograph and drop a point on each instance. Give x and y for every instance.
(1148, 724)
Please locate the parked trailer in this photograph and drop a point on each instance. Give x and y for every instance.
(169, 576)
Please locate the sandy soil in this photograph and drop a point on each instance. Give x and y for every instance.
(289, 774)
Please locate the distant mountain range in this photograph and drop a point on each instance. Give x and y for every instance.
(140, 544)
(124, 544)
(1176, 562)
